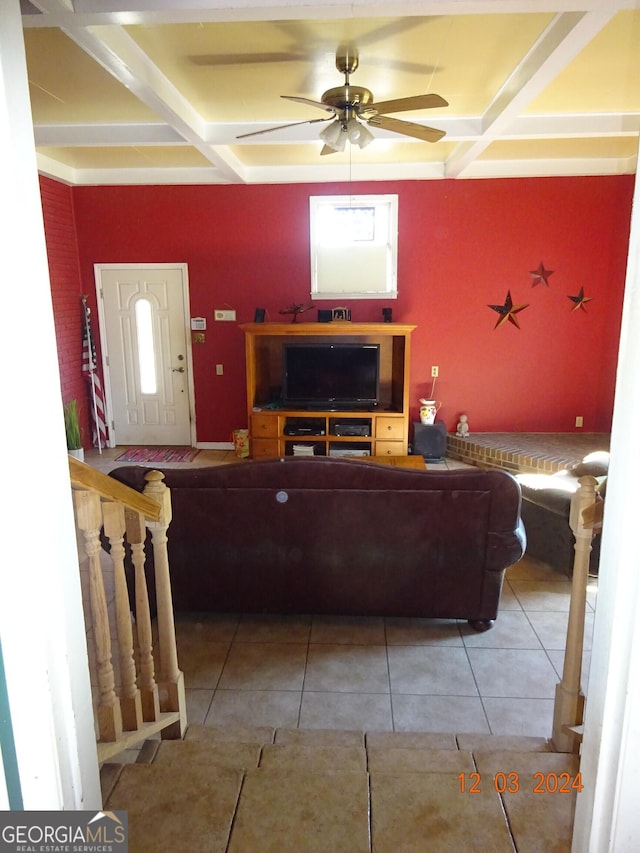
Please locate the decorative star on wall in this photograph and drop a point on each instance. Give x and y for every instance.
(540, 275)
(508, 311)
(580, 300)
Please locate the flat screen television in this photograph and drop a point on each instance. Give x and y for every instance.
(330, 376)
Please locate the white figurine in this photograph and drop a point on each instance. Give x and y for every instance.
(462, 430)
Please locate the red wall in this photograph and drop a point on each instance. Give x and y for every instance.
(64, 273)
(462, 246)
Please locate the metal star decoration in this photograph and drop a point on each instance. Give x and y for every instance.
(580, 300)
(508, 311)
(540, 275)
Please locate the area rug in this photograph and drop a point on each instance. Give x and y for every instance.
(158, 454)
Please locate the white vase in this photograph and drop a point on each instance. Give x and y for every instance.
(77, 454)
(429, 410)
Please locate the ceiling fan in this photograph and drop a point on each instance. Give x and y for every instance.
(352, 108)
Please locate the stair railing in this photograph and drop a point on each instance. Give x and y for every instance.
(585, 519)
(139, 705)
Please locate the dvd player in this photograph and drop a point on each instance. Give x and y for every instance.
(352, 429)
(303, 430)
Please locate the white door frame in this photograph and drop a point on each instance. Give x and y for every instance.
(108, 404)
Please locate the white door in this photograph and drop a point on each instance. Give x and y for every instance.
(143, 324)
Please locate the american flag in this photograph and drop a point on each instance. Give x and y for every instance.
(90, 369)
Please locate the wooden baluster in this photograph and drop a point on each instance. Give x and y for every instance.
(136, 534)
(569, 700)
(172, 695)
(89, 520)
(114, 528)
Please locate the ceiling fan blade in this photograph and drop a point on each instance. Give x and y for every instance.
(311, 103)
(280, 127)
(408, 128)
(417, 102)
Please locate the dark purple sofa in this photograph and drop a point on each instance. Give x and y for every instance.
(339, 536)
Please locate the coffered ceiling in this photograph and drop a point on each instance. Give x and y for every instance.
(158, 91)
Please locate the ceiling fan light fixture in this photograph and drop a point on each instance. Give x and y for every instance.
(334, 136)
(358, 133)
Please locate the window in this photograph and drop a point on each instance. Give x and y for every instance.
(146, 352)
(354, 246)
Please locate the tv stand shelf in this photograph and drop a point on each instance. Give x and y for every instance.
(274, 431)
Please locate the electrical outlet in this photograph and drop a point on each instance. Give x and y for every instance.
(219, 370)
(579, 420)
(434, 372)
(220, 314)
(198, 337)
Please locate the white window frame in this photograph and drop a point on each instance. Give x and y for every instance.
(353, 269)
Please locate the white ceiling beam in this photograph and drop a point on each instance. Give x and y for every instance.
(585, 126)
(105, 135)
(562, 41)
(118, 54)
(59, 13)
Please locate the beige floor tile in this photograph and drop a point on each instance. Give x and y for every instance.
(512, 630)
(422, 632)
(528, 568)
(522, 673)
(352, 630)
(239, 756)
(520, 716)
(508, 600)
(201, 662)
(264, 666)
(551, 628)
(302, 812)
(206, 627)
(419, 812)
(367, 711)
(389, 759)
(258, 628)
(539, 798)
(232, 732)
(411, 740)
(348, 669)
(430, 670)
(542, 595)
(320, 759)
(320, 737)
(177, 808)
(198, 702)
(486, 743)
(254, 708)
(413, 713)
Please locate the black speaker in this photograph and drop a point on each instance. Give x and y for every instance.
(430, 440)
(325, 316)
(259, 315)
(387, 315)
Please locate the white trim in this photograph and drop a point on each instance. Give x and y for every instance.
(108, 401)
(606, 819)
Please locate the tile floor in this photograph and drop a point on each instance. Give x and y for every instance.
(381, 674)
(321, 734)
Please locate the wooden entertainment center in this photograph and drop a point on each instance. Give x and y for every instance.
(274, 431)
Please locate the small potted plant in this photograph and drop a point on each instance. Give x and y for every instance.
(72, 430)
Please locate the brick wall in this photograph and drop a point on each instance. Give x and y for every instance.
(66, 290)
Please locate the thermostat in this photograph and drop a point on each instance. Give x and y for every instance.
(198, 324)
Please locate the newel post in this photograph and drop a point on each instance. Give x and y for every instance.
(171, 680)
(569, 700)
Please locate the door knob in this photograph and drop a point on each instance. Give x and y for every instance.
(177, 369)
